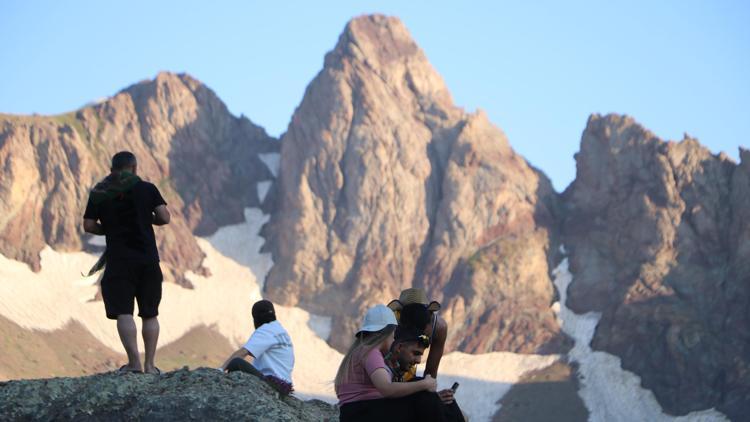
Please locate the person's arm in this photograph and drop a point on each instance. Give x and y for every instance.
(381, 379)
(437, 347)
(260, 341)
(91, 219)
(93, 227)
(161, 215)
(241, 353)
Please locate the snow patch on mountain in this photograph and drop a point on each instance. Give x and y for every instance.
(609, 392)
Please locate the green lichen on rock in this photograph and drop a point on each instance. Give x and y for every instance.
(201, 394)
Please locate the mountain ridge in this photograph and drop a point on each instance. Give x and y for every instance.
(385, 183)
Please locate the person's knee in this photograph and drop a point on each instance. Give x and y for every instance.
(126, 322)
(427, 398)
(150, 322)
(237, 364)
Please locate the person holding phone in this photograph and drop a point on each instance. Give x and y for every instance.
(406, 352)
(364, 382)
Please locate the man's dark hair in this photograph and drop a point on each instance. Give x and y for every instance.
(409, 334)
(415, 315)
(123, 160)
(263, 312)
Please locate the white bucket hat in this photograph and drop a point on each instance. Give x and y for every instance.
(377, 318)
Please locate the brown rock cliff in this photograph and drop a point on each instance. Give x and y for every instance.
(659, 242)
(203, 159)
(385, 184)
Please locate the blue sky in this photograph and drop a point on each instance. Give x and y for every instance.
(537, 68)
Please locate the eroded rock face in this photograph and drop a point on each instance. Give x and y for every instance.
(385, 184)
(202, 394)
(659, 241)
(203, 159)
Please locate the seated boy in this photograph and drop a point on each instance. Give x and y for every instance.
(269, 348)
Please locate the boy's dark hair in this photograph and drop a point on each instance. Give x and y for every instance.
(263, 312)
(123, 160)
(409, 334)
(415, 315)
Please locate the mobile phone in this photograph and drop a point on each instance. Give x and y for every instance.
(454, 387)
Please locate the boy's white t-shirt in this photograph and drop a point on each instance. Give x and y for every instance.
(272, 349)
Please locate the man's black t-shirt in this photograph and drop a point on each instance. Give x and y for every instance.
(127, 220)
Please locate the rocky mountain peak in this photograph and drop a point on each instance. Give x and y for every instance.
(657, 236)
(380, 46)
(386, 184)
(378, 40)
(204, 160)
(744, 158)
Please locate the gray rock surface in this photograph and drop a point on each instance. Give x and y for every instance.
(659, 240)
(385, 184)
(202, 394)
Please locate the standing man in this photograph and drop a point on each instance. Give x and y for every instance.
(123, 208)
(413, 310)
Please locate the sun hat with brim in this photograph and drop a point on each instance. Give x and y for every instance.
(411, 296)
(377, 318)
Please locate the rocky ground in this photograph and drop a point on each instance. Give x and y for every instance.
(202, 394)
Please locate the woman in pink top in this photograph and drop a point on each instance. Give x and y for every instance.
(363, 382)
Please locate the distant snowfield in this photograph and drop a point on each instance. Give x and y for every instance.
(609, 392)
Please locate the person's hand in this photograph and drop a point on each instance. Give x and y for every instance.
(446, 395)
(430, 383)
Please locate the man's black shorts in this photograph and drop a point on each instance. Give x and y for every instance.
(124, 281)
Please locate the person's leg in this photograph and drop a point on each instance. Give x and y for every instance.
(239, 364)
(118, 292)
(148, 295)
(150, 332)
(129, 337)
(428, 406)
(453, 412)
(377, 410)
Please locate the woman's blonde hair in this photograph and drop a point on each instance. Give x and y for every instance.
(363, 344)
